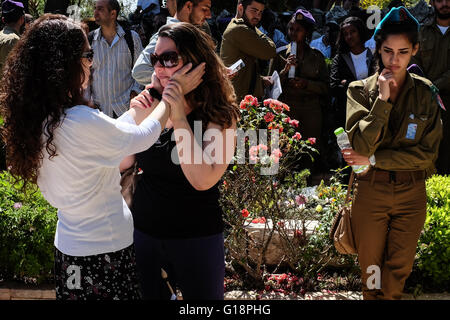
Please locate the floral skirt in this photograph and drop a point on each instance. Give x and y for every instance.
(108, 276)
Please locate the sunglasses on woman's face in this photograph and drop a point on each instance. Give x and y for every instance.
(88, 55)
(169, 59)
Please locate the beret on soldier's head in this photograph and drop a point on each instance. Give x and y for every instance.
(9, 6)
(305, 16)
(397, 16)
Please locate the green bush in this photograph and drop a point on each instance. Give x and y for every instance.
(27, 230)
(433, 251)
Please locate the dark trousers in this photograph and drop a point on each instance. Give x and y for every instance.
(196, 266)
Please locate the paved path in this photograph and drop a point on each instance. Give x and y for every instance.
(36, 294)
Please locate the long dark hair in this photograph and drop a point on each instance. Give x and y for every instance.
(342, 46)
(42, 77)
(409, 29)
(214, 100)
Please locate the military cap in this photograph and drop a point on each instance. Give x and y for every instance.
(397, 15)
(9, 6)
(305, 16)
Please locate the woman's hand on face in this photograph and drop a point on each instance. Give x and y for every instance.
(385, 80)
(156, 84)
(173, 95)
(143, 100)
(354, 158)
(189, 81)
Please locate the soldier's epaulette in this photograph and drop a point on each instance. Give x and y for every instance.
(239, 21)
(434, 90)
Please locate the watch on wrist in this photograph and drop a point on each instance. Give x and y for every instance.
(155, 94)
(372, 160)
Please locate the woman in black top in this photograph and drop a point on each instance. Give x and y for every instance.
(177, 217)
(351, 46)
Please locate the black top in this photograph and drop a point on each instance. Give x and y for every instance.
(165, 205)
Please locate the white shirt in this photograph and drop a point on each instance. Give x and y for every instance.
(319, 45)
(360, 63)
(443, 29)
(83, 180)
(111, 78)
(144, 4)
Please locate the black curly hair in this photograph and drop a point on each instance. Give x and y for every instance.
(342, 46)
(42, 77)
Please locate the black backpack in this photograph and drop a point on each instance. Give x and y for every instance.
(128, 38)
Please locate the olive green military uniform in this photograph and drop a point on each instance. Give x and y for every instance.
(240, 41)
(434, 60)
(8, 39)
(389, 207)
(306, 103)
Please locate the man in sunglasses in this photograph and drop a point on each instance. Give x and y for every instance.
(191, 11)
(243, 40)
(115, 50)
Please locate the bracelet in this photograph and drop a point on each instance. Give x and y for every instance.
(155, 94)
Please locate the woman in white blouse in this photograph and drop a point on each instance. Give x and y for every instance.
(73, 152)
(352, 62)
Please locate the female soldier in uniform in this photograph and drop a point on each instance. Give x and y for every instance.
(305, 93)
(393, 122)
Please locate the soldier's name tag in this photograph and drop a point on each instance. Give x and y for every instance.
(411, 133)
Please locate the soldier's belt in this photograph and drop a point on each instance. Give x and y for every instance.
(386, 176)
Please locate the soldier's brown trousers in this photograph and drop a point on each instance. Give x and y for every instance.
(388, 214)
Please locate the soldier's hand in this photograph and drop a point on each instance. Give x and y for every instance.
(385, 81)
(291, 62)
(354, 158)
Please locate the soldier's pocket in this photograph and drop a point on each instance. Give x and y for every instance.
(413, 129)
(426, 53)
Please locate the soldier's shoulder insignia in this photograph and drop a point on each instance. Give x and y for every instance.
(437, 97)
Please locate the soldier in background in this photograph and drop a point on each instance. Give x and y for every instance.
(13, 18)
(243, 40)
(434, 60)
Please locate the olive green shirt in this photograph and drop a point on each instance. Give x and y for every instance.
(8, 39)
(433, 57)
(240, 41)
(402, 136)
(311, 67)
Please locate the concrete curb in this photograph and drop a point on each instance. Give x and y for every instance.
(27, 294)
(36, 294)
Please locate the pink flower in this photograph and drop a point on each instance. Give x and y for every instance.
(245, 213)
(300, 199)
(262, 146)
(276, 155)
(248, 98)
(294, 123)
(287, 120)
(297, 136)
(267, 102)
(312, 140)
(269, 117)
(17, 205)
